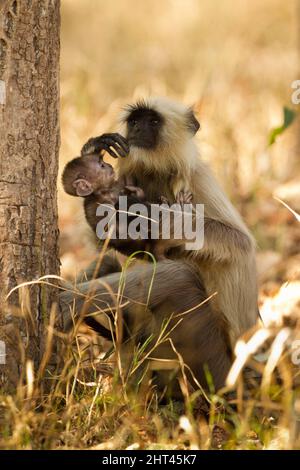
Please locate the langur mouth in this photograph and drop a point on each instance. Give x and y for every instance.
(140, 143)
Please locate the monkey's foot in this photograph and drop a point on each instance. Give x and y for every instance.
(114, 144)
(184, 197)
(163, 200)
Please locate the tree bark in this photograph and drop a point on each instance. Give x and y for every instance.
(29, 146)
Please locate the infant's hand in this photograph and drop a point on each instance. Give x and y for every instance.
(136, 191)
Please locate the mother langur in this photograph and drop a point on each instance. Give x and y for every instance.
(161, 156)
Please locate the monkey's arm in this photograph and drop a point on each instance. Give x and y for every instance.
(115, 144)
(223, 242)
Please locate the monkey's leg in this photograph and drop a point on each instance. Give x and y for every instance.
(174, 291)
(145, 285)
(109, 264)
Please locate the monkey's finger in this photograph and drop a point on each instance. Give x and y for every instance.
(109, 150)
(119, 139)
(184, 197)
(188, 197)
(93, 145)
(116, 147)
(179, 198)
(89, 147)
(120, 151)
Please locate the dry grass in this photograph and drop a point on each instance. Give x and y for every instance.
(91, 403)
(235, 61)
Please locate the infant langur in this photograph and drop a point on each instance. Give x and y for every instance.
(94, 180)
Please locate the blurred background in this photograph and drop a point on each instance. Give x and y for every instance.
(233, 60)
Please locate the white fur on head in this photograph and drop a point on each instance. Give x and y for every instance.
(176, 149)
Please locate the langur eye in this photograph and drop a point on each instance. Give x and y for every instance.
(132, 122)
(155, 121)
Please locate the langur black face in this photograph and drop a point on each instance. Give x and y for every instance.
(143, 128)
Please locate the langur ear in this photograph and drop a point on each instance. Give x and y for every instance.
(82, 187)
(193, 123)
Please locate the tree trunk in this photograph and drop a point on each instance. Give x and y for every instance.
(29, 146)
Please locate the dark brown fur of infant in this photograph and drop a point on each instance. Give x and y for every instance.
(95, 180)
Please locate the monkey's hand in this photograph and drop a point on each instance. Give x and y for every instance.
(114, 144)
(163, 200)
(135, 190)
(184, 197)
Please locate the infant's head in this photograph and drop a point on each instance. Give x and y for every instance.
(83, 176)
